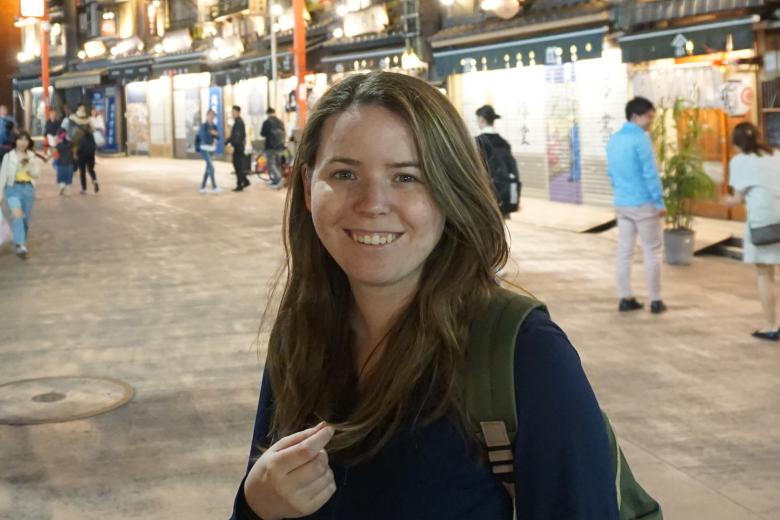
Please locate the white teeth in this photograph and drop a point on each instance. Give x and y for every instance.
(375, 239)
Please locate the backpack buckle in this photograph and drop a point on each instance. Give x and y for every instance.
(499, 448)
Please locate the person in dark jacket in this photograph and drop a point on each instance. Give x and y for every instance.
(83, 141)
(51, 131)
(237, 140)
(7, 131)
(64, 162)
(274, 134)
(360, 413)
(499, 162)
(208, 138)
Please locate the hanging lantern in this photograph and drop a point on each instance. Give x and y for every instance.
(505, 9)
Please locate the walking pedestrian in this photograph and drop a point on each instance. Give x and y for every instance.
(237, 140)
(7, 131)
(639, 203)
(17, 182)
(499, 161)
(206, 144)
(754, 175)
(50, 132)
(84, 145)
(98, 125)
(393, 236)
(64, 162)
(274, 134)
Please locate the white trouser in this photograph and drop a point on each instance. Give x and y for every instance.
(642, 220)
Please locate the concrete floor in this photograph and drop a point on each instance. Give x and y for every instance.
(152, 283)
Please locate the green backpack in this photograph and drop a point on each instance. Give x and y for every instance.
(490, 400)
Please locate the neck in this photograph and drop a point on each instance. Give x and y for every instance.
(375, 310)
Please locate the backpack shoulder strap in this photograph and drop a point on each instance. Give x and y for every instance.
(489, 375)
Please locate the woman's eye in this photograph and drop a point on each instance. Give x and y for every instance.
(344, 175)
(406, 178)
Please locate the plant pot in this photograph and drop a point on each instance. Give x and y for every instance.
(678, 246)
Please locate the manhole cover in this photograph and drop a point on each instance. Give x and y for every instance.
(60, 399)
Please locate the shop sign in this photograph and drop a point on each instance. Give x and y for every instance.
(371, 20)
(32, 9)
(737, 97)
(106, 103)
(680, 44)
(226, 7)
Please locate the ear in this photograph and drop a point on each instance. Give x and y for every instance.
(306, 174)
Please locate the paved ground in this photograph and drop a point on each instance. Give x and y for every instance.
(159, 286)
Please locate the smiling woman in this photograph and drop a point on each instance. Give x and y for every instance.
(393, 238)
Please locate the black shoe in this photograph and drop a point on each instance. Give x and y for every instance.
(769, 336)
(629, 304)
(246, 184)
(657, 307)
(97, 186)
(238, 188)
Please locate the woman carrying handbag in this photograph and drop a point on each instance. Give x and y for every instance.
(755, 178)
(18, 173)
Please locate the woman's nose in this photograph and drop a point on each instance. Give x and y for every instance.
(372, 197)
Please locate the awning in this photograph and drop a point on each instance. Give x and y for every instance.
(128, 71)
(374, 59)
(232, 76)
(188, 63)
(631, 14)
(260, 64)
(82, 78)
(540, 19)
(548, 49)
(28, 81)
(688, 41)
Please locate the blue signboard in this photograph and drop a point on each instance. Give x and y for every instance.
(106, 104)
(215, 104)
(111, 142)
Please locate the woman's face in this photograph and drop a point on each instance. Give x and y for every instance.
(22, 144)
(369, 199)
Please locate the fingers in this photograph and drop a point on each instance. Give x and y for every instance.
(296, 456)
(313, 470)
(295, 438)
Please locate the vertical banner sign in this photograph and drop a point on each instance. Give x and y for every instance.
(215, 104)
(110, 117)
(106, 105)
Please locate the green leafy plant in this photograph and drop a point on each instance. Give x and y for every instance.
(679, 157)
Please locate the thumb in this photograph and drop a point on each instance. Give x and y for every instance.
(295, 438)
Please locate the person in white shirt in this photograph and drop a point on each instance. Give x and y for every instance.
(755, 178)
(98, 127)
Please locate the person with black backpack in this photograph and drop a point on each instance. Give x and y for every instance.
(274, 134)
(497, 154)
(83, 140)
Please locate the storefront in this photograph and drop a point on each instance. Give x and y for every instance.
(149, 117)
(710, 67)
(28, 99)
(560, 97)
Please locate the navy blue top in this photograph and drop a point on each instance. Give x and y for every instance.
(562, 461)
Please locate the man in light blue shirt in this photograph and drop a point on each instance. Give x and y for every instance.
(639, 203)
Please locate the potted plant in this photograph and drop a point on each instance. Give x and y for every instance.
(682, 175)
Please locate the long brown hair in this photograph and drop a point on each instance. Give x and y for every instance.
(310, 360)
(748, 139)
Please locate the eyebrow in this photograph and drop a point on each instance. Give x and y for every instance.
(355, 162)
